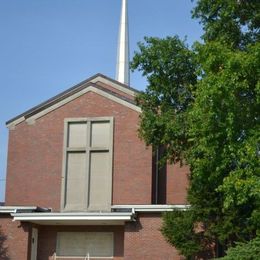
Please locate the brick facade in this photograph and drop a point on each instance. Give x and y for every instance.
(34, 177)
(14, 239)
(35, 155)
(177, 184)
(144, 241)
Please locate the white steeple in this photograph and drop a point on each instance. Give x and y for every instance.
(122, 70)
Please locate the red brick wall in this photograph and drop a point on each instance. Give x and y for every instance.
(48, 235)
(14, 238)
(141, 240)
(177, 184)
(35, 155)
(144, 241)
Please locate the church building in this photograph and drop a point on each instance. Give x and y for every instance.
(81, 184)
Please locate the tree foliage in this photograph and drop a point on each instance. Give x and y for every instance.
(178, 228)
(202, 103)
(224, 129)
(170, 69)
(234, 22)
(242, 251)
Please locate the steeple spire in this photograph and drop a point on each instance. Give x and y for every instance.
(122, 70)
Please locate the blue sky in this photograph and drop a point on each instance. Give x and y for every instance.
(47, 46)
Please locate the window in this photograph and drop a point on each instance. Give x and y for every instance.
(87, 173)
(92, 244)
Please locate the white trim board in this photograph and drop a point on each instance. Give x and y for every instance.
(112, 218)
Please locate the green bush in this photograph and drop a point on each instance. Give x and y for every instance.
(244, 251)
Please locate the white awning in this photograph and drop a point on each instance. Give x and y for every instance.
(82, 218)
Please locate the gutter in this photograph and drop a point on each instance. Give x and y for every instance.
(17, 209)
(149, 208)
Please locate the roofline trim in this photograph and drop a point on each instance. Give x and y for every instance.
(126, 87)
(123, 88)
(91, 87)
(98, 77)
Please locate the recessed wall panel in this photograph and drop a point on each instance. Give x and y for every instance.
(71, 244)
(100, 181)
(99, 244)
(84, 244)
(77, 136)
(76, 180)
(100, 134)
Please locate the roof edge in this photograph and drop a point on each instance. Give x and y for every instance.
(49, 102)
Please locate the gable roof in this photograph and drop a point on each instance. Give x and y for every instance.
(90, 84)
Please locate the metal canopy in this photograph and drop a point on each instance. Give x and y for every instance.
(111, 218)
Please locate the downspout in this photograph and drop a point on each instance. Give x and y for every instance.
(156, 175)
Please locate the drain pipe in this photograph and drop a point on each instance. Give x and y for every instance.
(156, 175)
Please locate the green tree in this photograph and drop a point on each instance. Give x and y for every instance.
(202, 104)
(170, 69)
(233, 22)
(242, 251)
(224, 155)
